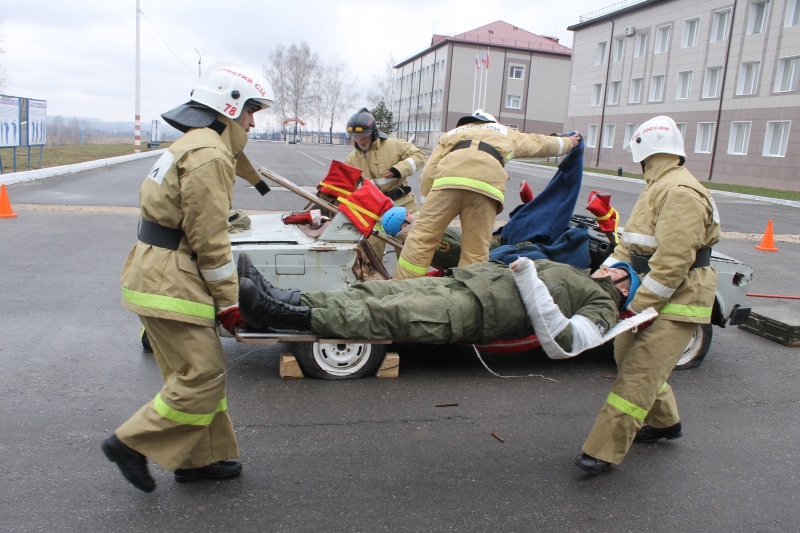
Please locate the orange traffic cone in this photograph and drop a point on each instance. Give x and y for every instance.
(767, 242)
(5, 204)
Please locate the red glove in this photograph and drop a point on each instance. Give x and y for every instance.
(436, 273)
(525, 192)
(231, 318)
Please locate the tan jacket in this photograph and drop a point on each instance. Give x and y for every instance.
(673, 218)
(385, 154)
(478, 171)
(189, 188)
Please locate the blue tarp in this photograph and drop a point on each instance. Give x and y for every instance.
(541, 228)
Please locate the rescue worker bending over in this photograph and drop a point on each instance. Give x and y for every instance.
(668, 240)
(180, 279)
(388, 162)
(466, 177)
(567, 309)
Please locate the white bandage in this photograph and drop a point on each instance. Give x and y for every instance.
(548, 321)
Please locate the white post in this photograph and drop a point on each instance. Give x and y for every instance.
(137, 139)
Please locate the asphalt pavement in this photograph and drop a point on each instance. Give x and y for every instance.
(416, 453)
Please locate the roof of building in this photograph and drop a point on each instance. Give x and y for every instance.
(615, 10)
(499, 35)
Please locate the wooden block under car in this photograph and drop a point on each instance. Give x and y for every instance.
(390, 367)
(289, 369)
(776, 323)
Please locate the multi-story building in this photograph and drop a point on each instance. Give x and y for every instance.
(725, 70)
(519, 77)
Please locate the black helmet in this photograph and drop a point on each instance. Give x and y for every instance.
(363, 122)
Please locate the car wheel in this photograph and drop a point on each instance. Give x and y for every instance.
(355, 360)
(697, 349)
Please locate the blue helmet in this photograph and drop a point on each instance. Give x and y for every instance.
(635, 281)
(393, 219)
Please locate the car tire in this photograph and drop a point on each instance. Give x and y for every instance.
(697, 349)
(339, 361)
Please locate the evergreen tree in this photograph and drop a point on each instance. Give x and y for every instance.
(384, 118)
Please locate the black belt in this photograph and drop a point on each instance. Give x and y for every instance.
(641, 263)
(483, 147)
(157, 235)
(396, 194)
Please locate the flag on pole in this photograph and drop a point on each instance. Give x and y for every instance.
(477, 65)
(487, 59)
(483, 57)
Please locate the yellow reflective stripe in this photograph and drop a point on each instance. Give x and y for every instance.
(357, 210)
(411, 267)
(186, 418)
(492, 191)
(335, 188)
(663, 388)
(685, 310)
(626, 407)
(168, 303)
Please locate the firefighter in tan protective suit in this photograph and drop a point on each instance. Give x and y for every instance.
(466, 177)
(668, 240)
(388, 162)
(181, 280)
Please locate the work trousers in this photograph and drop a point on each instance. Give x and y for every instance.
(477, 213)
(430, 310)
(640, 393)
(409, 201)
(187, 424)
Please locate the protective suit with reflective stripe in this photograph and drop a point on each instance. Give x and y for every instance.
(469, 183)
(382, 155)
(673, 218)
(177, 294)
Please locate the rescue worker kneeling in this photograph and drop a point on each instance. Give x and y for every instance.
(568, 310)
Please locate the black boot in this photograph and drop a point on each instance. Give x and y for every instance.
(262, 311)
(649, 434)
(589, 464)
(248, 270)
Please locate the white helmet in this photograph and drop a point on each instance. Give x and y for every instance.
(659, 135)
(226, 86)
(478, 116)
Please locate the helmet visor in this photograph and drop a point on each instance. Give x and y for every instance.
(358, 135)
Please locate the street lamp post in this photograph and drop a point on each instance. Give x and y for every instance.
(199, 61)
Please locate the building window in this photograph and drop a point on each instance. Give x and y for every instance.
(618, 49)
(630, 129)
(792, 14)
(597, 94)
(748, 78)
(640, 48)
(591, 136)
(719, 25)
(601, 53)
(681, 128)
(690, 33)
(608, 135)
(513, 101)
(776, 139)
(684, 88)
(786, 77)
(662, 40)
(613, 92)
(656, 88)
(757, 22)
(740, 136)
(712, 82)
(705, 136)
(515, 72)
(635, 94)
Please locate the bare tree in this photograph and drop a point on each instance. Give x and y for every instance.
(340, 94)
(290, 71)
(382, 89)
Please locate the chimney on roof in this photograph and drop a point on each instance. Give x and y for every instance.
(554, 39)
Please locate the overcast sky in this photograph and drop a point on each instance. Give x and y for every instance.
(80, 55)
